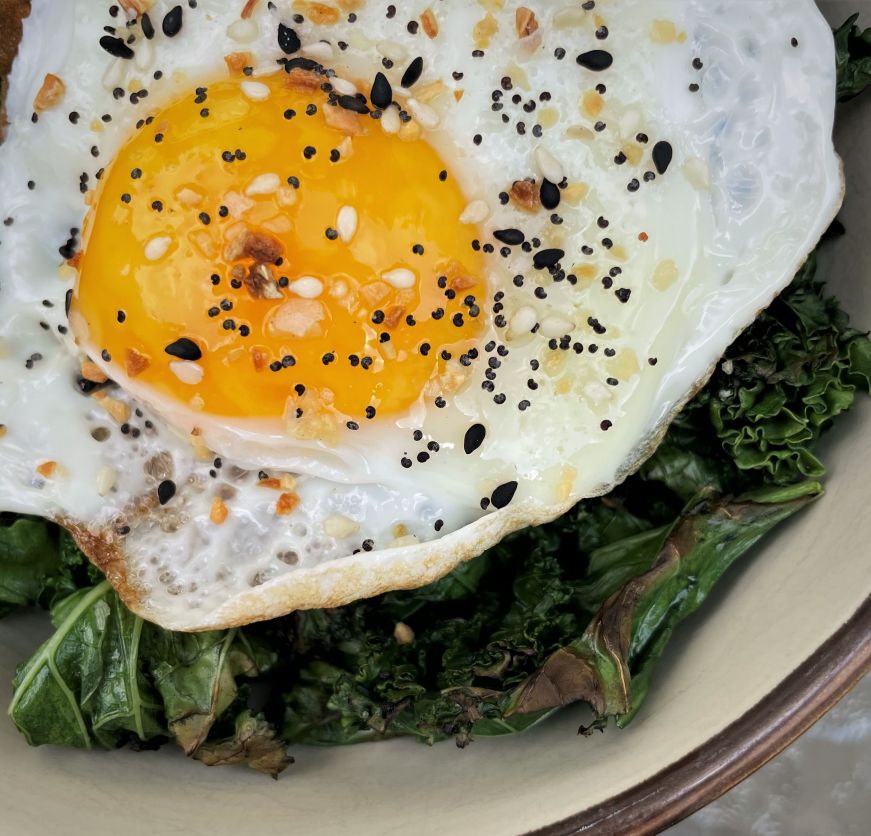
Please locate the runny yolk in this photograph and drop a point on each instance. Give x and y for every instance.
(256, 251)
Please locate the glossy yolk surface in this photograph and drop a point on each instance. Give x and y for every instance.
(219, 225)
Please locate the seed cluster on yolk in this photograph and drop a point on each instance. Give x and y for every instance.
(287, 249)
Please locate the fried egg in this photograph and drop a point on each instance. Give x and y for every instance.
(302, 302)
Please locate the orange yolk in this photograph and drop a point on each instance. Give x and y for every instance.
(285, 246)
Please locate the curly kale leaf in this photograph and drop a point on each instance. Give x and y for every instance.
(785, 379)
(853, 57)
(488, 664)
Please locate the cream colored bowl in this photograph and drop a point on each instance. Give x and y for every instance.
(767, 654)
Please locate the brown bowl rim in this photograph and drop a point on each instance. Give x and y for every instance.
(744, 746)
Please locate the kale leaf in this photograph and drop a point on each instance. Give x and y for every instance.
(853, 57)
(781, 385)
(106, 677)
(36, 564)
(577, 610)
(580, 609)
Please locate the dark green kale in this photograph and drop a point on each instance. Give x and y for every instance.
(577, 610)
(853, 58)
(38, 563)
(106, 678)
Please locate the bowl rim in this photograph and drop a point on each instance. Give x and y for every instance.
(745, 745)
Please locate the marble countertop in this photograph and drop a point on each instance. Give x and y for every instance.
(819, 786)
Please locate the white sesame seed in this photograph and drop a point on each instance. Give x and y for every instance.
(156, 248)
(319, 50)
(475, 212)
(524, 320)
(114, 74)
(243, 31)
(308, 287)
(255, 90)
(144, 56)
(187, 372)
(390, 121)
(339, 526)
(424, 114)
(555, 326)
(106, 478)
(264, 184)
(392, 50)
(189, 197)
(400, 278)
(346, 223)
(343, 87)
(630, 122)
(548, 165)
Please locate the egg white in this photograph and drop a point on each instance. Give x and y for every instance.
(753, 183)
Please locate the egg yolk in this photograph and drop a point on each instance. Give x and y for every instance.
(254, 244)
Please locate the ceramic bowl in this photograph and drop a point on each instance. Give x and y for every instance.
(783, 636)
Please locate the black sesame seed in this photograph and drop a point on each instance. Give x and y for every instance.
(595, 60)
(512, 237)
(547, 258)
(147, 26)
(172, 22)
(381, 94)
(503, 494)
(662, 156)
(474, 437)
(184, 349)
(116, 47)
(412, 73)
(165, 491)
(354, 104)
(549, 194)
(606, 425)
(288, 40)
